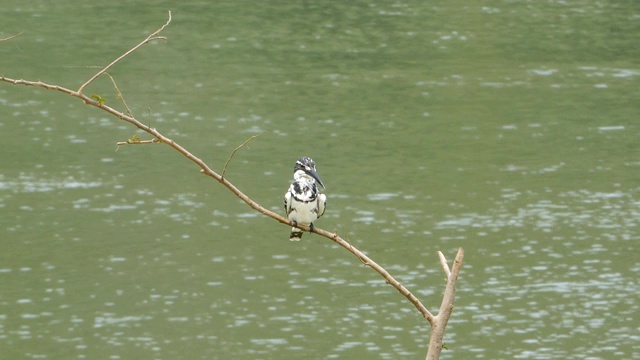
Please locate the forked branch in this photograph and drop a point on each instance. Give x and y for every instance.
(439, 323)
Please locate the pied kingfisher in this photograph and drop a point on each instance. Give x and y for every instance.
(304, 203)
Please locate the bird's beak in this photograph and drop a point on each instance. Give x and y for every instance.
(314, 175)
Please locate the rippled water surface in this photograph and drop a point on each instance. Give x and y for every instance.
(508, 128)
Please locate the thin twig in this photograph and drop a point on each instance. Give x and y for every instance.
(119, 94)
(153, 36)
(137, 142)
(443, 263)
(235, 150)
(12, 36)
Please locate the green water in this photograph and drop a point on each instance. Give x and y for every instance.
(508, 128)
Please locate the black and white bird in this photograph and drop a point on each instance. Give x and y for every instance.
(304, 203)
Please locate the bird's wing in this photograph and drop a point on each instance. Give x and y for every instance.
(287, 202)
(322, 204)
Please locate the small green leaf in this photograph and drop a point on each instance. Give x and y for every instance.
(134, 140)
(98, 98)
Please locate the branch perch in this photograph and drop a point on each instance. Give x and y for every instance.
(438, 323)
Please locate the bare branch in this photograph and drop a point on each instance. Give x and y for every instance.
(235, 150)
(12, 36)
(438, 323)
(153, 36)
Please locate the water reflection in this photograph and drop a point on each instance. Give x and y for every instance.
(27, 183)
(579, 208)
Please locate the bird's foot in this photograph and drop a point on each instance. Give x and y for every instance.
(312, 228)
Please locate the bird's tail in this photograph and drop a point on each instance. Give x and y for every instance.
(296, 234)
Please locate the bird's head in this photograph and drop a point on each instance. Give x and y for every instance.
(307, 165)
